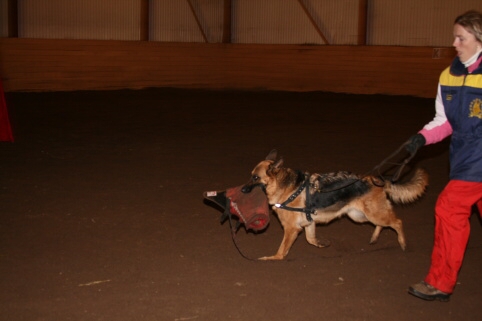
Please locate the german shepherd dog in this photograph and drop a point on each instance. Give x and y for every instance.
(301, 200)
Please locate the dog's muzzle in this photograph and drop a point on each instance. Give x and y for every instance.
(249, 187)
(250, 206)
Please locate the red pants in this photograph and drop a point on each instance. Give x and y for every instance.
(452, 229)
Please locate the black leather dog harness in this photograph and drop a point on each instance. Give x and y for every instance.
(307, 210)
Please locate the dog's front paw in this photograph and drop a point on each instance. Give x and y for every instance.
(319, 243)
(271, 258)
(323, 243)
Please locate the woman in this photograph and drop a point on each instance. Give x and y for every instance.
(458, 112)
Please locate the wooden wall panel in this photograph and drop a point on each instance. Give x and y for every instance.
(86, 19)
(68, 65)
(415, 22)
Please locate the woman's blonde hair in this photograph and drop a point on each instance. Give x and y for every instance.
(472, 22)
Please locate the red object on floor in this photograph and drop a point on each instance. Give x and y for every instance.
(5, 129)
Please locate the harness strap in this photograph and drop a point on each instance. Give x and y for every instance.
(307, 210)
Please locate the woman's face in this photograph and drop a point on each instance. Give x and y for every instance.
(465, 43)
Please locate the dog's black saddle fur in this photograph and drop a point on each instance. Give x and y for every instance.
(336, 188)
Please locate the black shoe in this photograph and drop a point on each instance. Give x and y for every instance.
(427, 292)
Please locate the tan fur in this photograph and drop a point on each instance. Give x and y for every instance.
(373, 206)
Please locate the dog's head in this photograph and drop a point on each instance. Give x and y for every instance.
(264, 172)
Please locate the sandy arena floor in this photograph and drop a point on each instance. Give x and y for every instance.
(103, 216)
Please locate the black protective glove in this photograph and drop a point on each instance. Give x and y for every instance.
(414, 143)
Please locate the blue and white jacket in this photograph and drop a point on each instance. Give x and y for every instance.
(458, 112)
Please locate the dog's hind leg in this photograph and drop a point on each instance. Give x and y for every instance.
(397, 225)
(376, 234)
(310, 233)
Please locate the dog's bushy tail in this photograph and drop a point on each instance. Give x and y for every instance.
(410, 191)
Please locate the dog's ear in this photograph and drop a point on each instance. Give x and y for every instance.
(272, 155)
(274, 168)
(277, 164)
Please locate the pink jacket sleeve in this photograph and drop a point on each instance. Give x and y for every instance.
(439, 128)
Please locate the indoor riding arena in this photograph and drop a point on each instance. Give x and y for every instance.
(117, 116)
